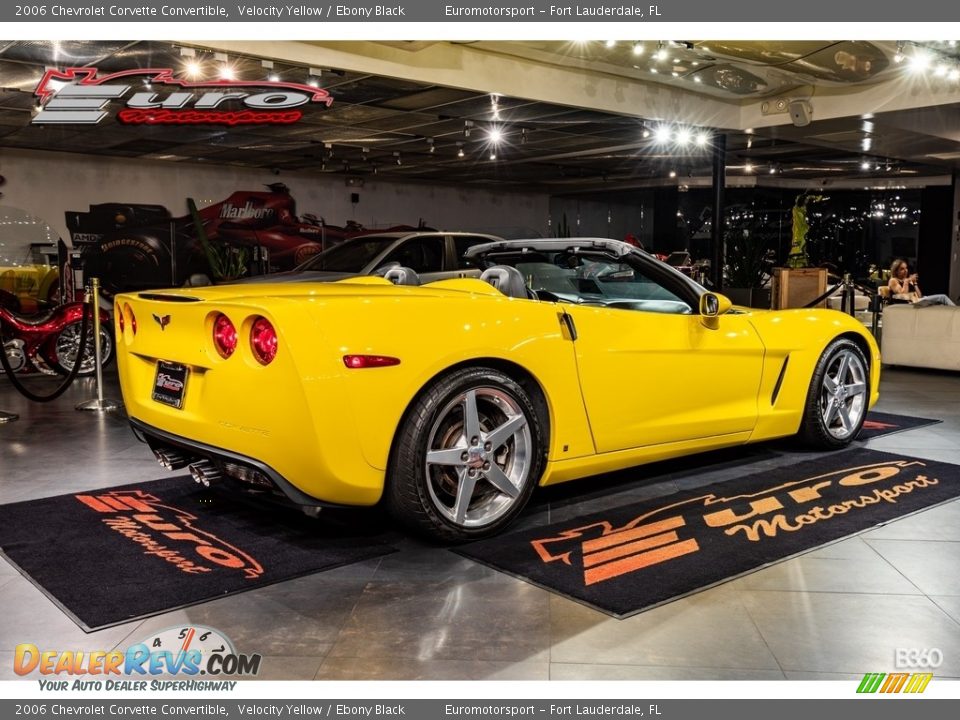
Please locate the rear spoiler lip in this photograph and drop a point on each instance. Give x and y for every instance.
(164, 297)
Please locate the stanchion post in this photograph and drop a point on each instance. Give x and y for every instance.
(99, 404)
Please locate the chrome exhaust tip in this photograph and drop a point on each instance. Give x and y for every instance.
(170, 459)
(205, 473)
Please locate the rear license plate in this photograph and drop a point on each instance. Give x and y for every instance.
(170, 383)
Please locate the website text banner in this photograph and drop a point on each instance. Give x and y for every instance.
(230, 709)
(447, 11)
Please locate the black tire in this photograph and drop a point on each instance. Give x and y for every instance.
(423, 495)
(62, 349)
(831, 428)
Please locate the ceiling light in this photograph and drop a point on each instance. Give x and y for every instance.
(397, 156)
(898, 55)
(941, 70)
(661, 53)
(654, 70)
(683, 136)
(748, 168)
(866, 144)
(663, 133)
(697, 79)
(920, 62)
(610, 43)
(638, 48)
(459, 150)
(431, 145)
(954, 74)
(673, 173)
(646, 133)
(702, 139)
(493, 156)
(192, 68)
(273, 77)
(227, 73)
(865, 165)
(495, 135)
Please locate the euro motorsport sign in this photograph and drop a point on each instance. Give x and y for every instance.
(77, 96)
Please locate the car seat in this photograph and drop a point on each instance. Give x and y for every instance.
(399, 275)
(507, 280)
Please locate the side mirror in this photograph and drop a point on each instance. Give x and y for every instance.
(713, 304)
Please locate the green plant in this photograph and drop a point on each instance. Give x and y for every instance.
(226, 262)
(751, 240)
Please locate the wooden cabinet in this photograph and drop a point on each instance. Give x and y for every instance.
(795, 287)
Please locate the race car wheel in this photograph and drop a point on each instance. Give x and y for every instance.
(67, 342)
(838, 397)
(467, 456)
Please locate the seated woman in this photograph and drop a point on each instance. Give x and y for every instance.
(905, 288)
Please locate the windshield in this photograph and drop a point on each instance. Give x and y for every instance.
(350, 256)
(595, 278)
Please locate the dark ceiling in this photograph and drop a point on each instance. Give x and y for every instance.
(403, 130)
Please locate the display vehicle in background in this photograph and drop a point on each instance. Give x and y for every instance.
(139, 246)
(449, 402)
(432, 255)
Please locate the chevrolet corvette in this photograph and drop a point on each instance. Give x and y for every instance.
(449, 402)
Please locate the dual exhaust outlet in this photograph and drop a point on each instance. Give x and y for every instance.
(203, 472)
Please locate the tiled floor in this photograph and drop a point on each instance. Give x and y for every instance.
(426, 613)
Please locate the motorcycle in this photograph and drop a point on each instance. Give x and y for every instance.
(49, 343)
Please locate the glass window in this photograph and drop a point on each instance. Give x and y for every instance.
(464, 243)
(422, 254)
(351, 256)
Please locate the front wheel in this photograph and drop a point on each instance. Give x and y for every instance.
(838, 397)
(467, 456)
(67, 343)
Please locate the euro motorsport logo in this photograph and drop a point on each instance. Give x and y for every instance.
(189, 651)
(78, 96)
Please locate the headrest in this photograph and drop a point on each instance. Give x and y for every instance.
(507, 280)
(402, 276)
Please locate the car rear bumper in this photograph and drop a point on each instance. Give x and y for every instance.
(243, 473)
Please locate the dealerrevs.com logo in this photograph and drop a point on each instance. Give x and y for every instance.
(78, 96)
(186, 652)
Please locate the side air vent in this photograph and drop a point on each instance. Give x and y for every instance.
(167, 298)
(776, 388)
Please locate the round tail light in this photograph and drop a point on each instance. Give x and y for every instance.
(263, 341)
(133, 319)
(120, 318)
(224, 336)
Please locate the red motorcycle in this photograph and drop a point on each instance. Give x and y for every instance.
(49, 343)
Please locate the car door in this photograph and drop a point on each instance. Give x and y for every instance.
(424, 254)
(653, 372)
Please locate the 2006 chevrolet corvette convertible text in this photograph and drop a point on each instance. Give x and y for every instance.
(450, 401)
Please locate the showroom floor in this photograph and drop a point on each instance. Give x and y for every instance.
(426, 613)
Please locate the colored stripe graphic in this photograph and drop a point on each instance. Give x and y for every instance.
(918, 683)
(894, 682)
(870, 682)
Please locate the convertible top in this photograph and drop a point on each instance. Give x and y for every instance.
(615, 247)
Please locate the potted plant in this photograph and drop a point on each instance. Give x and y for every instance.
(750, 255)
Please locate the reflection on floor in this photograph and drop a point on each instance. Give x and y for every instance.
(425, 613)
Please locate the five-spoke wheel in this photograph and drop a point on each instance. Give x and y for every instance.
(838, 397)
(468, 456)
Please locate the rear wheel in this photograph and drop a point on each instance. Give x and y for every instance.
(467, 457)
(838, 397)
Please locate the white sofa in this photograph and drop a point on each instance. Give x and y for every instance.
(921, 336)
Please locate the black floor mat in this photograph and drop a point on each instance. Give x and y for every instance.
(113, 555)
(642, 554)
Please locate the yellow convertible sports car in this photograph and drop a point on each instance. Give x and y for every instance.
(450, 401)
